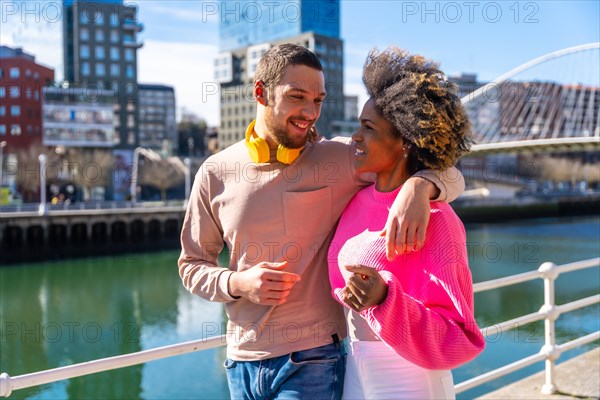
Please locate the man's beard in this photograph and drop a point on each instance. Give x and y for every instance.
(280, 132)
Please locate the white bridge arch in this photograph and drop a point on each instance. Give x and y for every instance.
(512, 115)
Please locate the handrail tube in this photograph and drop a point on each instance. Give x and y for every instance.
(574, 305)
(578, 265)
(506, 281)
(498, 373)
(8, 384)
(508, 325)
(589, 338)
(537, 316)
(531, 275)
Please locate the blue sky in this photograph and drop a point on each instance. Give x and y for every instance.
(181, 37)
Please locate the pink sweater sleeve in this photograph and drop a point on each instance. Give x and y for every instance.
(440, 333)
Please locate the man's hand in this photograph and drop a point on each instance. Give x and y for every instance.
(365, 288)
(264, 284)
(408, 218)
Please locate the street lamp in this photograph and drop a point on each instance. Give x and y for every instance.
(187, 180)
(2, 146)
(42, 210)
(134, 174)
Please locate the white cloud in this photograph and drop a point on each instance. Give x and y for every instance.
(188, 11)
(189, 68)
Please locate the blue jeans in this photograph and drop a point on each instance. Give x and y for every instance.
(313, 374)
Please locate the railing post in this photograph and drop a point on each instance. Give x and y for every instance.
(5, 385)
(550, 272)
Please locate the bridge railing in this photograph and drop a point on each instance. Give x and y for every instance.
(90, 205)
(549, 352)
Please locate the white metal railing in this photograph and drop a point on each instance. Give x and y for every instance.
(90, 205)
(549, 312)
(550, 352)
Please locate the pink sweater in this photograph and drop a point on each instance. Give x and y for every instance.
(427, 317)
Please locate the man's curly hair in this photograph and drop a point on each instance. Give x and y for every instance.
(413, 94)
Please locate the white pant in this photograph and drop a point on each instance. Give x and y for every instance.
(374, 371)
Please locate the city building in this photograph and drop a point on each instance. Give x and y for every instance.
(246, 23)
(76, 117)
(351, 108)
(100, 52)
(158, 129)
(467, 83)
(248, 30)
(21, 83)
(350, 123)
(544, 110)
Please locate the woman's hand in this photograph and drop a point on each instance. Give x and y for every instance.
(365, 288)
(408, 218)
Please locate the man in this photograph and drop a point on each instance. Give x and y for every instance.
(274, 200)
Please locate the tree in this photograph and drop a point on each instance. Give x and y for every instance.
(162, 173)
(191, 132)
(89, 168)
(28, 171)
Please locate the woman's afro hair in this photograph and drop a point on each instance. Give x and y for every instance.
(413, 94)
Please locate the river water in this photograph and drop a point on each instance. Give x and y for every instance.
(70, 311)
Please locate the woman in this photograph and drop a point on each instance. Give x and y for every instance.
(410, 320)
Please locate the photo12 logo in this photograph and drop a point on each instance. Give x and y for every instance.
(31, 11)
(469, 11)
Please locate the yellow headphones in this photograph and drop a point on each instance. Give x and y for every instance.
(259, 149)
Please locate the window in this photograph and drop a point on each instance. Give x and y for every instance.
(15, 130)
(114, 36)
(2, 111)
(15, 111)
(99, 35)
(85, 69)
(99, 52)
(2, 130)
(84, 34)
(14, 92)
(115, 70)
(27, 73)
(129, 54)
(100, 69)
(114, 19)
(130, 72)
(99, 18)
(14, 73)
(114, 53)
(2, 92)
(1, 73)
(84, 51)
(36, 95)
(83, 17)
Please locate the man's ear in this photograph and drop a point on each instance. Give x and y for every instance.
(260, 93)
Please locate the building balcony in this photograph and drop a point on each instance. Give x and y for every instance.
(133, 25)
(132, 43)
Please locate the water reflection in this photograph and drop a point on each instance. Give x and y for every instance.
(60, 313)
(76, 311)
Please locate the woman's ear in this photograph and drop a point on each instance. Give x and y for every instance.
(260, 93)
